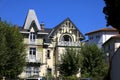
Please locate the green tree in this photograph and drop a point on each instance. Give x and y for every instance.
(112, 12)
(12, 54)
(70, 62)
(93, 64)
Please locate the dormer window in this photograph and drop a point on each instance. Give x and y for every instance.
(32, 36)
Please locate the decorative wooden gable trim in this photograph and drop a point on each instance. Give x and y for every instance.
(66, 27)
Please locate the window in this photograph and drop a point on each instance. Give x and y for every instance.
(28, 71)
(69, 24)
(32, 54)
(32, 37)
(91, 38)
(66, 23)
(36, 71)
(97, 36)
(49, 70)
(66, 38)
(48, 53)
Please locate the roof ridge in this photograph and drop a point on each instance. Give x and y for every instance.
(102, 29)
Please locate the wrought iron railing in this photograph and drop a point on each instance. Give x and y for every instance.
(66, 43)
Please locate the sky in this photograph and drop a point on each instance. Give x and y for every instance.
(87, 15)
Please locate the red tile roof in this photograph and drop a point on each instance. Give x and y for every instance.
(102, 30)
(117, 36)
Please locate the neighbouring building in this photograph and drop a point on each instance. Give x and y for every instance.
(100, 36)
(45, 45)
(111, 46)
(109, 40)
(115, 66)
(112, 50)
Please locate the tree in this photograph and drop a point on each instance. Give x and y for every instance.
(70, 62)
(112, 12)
(12, 54)
(93, 64)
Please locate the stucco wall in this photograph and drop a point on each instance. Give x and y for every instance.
(100, 37)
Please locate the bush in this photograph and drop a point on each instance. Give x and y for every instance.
(98, 78)
(69, 78)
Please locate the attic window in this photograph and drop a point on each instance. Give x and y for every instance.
(66, 38)
(32, 36)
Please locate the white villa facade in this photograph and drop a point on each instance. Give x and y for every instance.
(45, 45)
(100, 36)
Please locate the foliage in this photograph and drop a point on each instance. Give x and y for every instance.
(69, 77)
(112, 12)
(70, 62)
(93, 64)
(49, 76)
(12, 56)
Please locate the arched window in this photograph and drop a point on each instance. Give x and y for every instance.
(66, 38)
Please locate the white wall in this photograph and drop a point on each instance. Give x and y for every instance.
(100, 37)
(108, 35)
(96, 38)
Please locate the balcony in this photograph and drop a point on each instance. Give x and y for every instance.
(67, 43)
(36, 42)
(33, 60)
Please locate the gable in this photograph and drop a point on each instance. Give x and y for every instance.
(66, 27)
(31, 17)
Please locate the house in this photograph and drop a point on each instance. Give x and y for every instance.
(111, 46)
(100, 36)
(115, 66)
(45, 45)
(112, 50)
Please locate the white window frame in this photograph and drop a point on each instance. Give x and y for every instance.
(32, 54)
(32, 36)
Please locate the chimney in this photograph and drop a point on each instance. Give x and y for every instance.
(42, 26)
(16, 26)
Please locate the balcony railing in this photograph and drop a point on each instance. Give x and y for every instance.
(33, 60)
(66, 43)
(36, 42)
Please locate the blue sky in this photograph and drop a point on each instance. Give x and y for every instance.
(87, 15)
